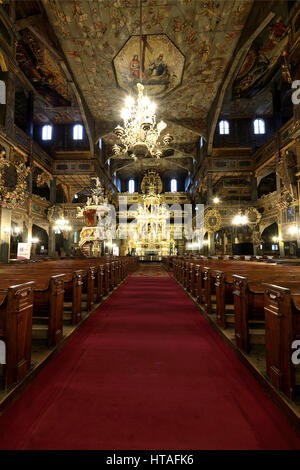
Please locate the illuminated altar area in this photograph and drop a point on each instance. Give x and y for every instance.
(152, 234)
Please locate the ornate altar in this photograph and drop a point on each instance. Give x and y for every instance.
(152, 234)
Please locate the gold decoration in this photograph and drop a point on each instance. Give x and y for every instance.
(212, 220)
(253, 216)
(285, 200)
(13, 185)
(285, 67)
(151, 183)
(141, 135)
(285, 168)
(256, 237)
(42, 179)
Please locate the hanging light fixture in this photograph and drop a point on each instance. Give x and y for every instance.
(240, 219)
(140, 134)
(62, 225)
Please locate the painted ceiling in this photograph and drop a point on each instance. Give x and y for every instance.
(155, 62)
(38, 65)
(249, 94)
(93, 33)
(186, 48)
(180, 51)
(261, 59)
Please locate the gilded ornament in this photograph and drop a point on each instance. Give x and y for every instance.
(212, 220)
(13, 184)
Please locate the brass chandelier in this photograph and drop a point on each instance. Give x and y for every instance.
(140, 135)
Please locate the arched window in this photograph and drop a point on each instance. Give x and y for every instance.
(47, 132)
(2, 352)
(259, 126)
(201, 142)
(131, 186)
(78, 132)
(100, 144)
(173, 186)
(224, 127)
(2, 92)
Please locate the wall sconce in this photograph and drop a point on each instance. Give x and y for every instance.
(33, 240)
(293, 230)
(216, 200)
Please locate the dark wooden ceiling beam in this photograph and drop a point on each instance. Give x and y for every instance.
(28, 21)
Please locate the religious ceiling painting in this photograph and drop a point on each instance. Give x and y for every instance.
(159, 69)
(261, 59)
(93, 34)
(40, 68)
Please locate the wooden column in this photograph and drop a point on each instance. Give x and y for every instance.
(211, 243)
(51, 237)
(5, 226)
(10, 104)
(254, 193)
(209, 189)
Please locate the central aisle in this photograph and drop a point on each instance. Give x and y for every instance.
(145, 372)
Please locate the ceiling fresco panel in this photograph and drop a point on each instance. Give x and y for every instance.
(93, 33)
(152, 60)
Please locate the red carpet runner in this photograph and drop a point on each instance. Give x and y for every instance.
(145, 372)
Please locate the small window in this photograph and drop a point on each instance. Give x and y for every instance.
(259, 126)
(2, 92)
(173, 186)
(201, 142)
(131, 186)
(100, 144)
(224, 127)
(77, 132)
(47, 132)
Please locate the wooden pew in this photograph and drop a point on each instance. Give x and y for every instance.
(249, 304)
(282, 315)
(16, 304)
(47, 303)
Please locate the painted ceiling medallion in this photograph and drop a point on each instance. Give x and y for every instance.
(152, 60)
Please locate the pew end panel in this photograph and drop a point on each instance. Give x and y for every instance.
(100, 281)
(77, 282)
(240, 293)
(16, 313)
(280, 334)
(207, 279)
(55, 331)
(220, 286)
(92, 272)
